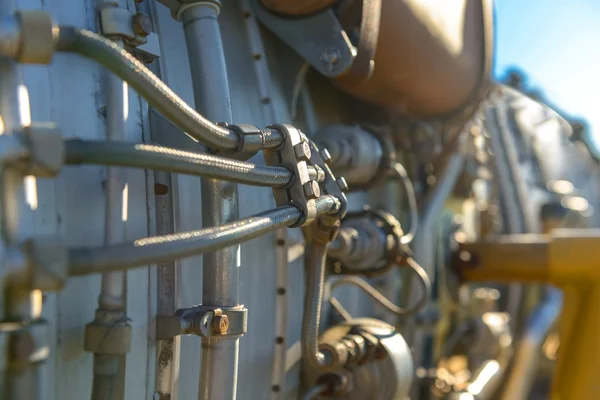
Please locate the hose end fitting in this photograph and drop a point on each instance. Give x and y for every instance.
(37, 37)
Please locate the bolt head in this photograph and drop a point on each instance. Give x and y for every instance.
(325, 156)
(142, 24)
(302, 151)
(342, 184)
(311, 190)
(330, 57)
(220, 324)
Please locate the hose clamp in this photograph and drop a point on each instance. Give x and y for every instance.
(252, 140)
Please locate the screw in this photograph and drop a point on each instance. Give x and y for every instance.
(220, 324)
(325, 156)
(330, 57)
(311, 190)
(342, 184)
(142, 24)
(302, 151)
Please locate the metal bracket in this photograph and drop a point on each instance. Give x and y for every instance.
(319, 39)
(134, 29)
(251, 141)
(294, 154)
(203, 321)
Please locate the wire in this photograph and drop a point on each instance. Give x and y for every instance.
(155, 91)
(172, 160)
(412, 203)
(384, 301)
(167, 248)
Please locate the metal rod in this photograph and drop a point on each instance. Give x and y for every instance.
(173, 160)
(111, 301)
(220, 272)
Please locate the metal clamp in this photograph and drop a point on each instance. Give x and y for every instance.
(294, 154)
(203, 321)
(336, 187)
(251, 141)
(135, 30)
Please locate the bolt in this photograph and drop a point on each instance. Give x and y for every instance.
(220, 324)
(342, 184)
(142, 24)
(311, 190)
(325, 156)
(302, 151)
(330, 57)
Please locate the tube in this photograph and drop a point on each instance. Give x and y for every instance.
(384, 301)
(314, 263)
(172, 160)
(149, 86)
(85, 261)
(525, 364)
(111, 301)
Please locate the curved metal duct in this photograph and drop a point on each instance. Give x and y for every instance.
(433, 57)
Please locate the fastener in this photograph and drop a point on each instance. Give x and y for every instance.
(220, 324)
(311, 190)
(302, 151)
(342, 184)
(142, 24)
(325, 156)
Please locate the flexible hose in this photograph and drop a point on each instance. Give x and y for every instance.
(314, 392)
(384, 301)
(162, 249)
(412, 202)
(149, 86)
(314, 262)
(172, 160)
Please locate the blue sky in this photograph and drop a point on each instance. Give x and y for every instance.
(557, 43)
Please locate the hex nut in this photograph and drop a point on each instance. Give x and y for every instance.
(302, 151)
(342, 184)
(220, 324)
(142, 24)
(325, 156)
(311, 190)
(37, 42)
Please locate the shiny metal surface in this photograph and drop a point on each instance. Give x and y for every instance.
(220, 273)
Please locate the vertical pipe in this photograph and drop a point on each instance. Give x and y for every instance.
(220, 273)
(16, 304)
(111, 301)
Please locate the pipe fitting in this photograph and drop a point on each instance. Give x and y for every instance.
(109, 334)
(25, 342)
(38, 37)
(46, 147)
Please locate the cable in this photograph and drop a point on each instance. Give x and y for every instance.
(172, 160)
(412, 203)
(162, 249)
(149, 86)
(384, 301)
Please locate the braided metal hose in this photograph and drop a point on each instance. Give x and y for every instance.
(172, 160)
(156, 92)
(161, 249)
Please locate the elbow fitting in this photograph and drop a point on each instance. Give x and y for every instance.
(28, 37)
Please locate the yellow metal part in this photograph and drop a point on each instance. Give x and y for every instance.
(569, 259)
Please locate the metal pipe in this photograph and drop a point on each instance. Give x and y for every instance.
(149, 86)
(111, 301)
(520, 380)
(220, 272)
(19, 377)
(173, 160)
